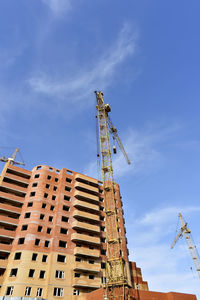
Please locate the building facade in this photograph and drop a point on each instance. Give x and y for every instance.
(53, 235)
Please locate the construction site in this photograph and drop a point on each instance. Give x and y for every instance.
(63, 234)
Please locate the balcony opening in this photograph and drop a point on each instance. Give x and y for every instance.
(19, 174)
(91, 262)
(15, 182)
(78, 259)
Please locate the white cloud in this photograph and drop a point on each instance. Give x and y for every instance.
(164, 215)
(142, 147)
(165, 269)
(58, 7)
(84, 83)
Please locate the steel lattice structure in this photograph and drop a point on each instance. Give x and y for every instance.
(116, 273)
(191, 246)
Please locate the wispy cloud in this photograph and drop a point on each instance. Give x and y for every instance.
(166, 214)
(143, 149)
(58, 7)
(86, 81)
(165, 269)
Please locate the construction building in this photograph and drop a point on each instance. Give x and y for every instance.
(52, 234)
(52, 237)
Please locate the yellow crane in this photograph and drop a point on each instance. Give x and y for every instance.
(184, 230)
(9, 161)
(117, 285)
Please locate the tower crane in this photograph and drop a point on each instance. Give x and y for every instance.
(184, 230)
(9, 161)
(117, 285)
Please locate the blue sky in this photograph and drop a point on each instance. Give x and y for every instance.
(144, 55)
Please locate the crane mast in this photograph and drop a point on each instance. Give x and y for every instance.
(184, 230)
(116, 273)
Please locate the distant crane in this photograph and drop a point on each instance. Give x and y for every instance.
(117, 286)
(9, 161)
(184, 230)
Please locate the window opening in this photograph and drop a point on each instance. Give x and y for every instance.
(17, 255)
(44, 258)
(31, 273)
(61, 258)
(39, 292)
(27, 215)
(13, 272)
(34, 256)
(24, 227)
(39, 229)
(28, 291)
(42, 274)
(63, 230)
